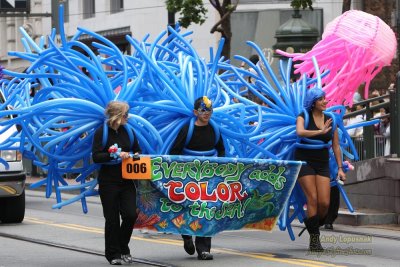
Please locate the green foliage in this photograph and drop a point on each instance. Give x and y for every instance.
(191, 11)
(297, 4)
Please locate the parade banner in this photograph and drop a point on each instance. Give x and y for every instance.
(206, 195)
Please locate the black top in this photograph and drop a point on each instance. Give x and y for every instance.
(100, 154)
(317, 155)
(203, 139)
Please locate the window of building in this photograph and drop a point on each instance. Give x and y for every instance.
(116, 6)
(88, 8)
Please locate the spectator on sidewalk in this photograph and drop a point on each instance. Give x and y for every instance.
(384, 130)
(356, 132)
(375, 93)
(357, 97)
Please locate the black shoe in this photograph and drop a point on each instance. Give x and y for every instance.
(315, 243)
(312, 225)
(206, 256)
(328, 226)
(189, 246)
(116, 262)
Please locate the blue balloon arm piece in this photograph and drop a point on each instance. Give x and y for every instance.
(5, 163)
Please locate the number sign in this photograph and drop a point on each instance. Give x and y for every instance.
(138, 169)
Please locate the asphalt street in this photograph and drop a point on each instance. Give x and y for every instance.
(46, 237)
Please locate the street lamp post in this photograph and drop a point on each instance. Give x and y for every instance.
(395, 95)
(171, 20)
(398, 29)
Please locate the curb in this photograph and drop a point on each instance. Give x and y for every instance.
(371, 218)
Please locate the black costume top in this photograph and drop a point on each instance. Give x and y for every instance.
(203, 139)
(100, 154)
(315, 155)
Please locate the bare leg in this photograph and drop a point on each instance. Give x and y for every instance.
(308, 184)
(323, 195)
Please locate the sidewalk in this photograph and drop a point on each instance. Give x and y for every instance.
(370, 217)
(390, 231)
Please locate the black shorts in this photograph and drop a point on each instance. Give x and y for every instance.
(315, 168)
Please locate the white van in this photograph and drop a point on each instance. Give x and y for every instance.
(12, 180)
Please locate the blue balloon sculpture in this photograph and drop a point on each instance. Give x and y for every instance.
(160, 80)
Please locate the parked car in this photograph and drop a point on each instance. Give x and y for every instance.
(12, 180)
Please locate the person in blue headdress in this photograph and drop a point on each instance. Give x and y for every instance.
(314, 176)
(204, 139)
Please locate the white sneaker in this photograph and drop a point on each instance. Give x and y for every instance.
(127, 258)
(116, 262)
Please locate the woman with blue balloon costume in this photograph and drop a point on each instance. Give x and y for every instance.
(315, 127)
(199, 138)
(111, 143)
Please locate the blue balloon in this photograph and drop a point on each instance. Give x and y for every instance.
(160, 81)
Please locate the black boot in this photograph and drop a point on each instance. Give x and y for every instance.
(321, 221)
(312, 225)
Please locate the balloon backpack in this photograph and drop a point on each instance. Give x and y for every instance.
(160, 81)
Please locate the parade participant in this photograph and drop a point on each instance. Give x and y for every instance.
(314, 176)
(118, 196)
(203, 139)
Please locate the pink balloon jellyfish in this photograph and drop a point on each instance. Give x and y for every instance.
(354, 48)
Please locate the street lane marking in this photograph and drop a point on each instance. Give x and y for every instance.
(260, 256)
(273, 258)
(318, 262)
(36, 220)
(95, 229)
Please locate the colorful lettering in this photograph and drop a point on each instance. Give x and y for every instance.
(192, 191)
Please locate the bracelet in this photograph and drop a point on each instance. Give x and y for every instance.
(341, 167)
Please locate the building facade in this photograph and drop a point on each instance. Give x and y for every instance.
(255, 20)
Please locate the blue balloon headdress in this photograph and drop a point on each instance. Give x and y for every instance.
(311, 96)
(206, 104)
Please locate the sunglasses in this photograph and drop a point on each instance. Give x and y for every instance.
(126, 115)
(202, 111)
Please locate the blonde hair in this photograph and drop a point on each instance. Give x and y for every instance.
(115, 111)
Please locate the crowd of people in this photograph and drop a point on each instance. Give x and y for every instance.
(381, 129)
(118, 195)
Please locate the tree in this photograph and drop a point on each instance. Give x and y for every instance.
(346, 5)
(193, 11)
(297, 4)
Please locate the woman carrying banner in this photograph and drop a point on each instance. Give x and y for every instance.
(314, 176)
(117, 195)
(203, 139)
